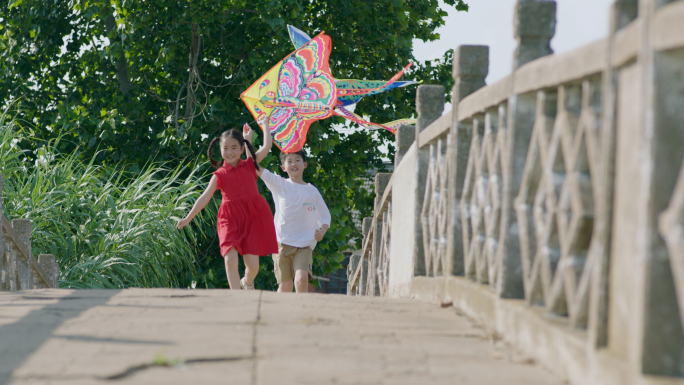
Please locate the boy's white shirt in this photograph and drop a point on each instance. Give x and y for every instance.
(300, 210)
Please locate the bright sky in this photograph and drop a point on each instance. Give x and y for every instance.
(490, 22)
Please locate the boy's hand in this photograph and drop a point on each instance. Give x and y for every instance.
(318, 235)
(247, 132)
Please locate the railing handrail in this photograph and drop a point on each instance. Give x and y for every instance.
(543, 73)
(436, 129)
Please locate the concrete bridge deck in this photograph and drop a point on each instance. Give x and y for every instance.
(165, 336)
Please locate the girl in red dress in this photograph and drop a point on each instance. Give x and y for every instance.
(245, 221)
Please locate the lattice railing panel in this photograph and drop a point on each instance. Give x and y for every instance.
(555, 205)
(435, 209)
(481, 203)
(384, 256)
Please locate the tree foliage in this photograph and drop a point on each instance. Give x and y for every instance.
(132, 80)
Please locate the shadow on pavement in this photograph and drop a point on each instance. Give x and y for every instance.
(20, 339)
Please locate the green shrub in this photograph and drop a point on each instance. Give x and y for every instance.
(108, 228)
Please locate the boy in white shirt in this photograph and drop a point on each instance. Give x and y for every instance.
(301, 220)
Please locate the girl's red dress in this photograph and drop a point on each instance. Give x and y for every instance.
(244, 220)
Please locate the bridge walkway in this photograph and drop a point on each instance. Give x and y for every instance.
(167, 336)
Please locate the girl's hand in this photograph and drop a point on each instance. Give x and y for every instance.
(262, 120)
(318, 235)
(182, 223)
(247, 132)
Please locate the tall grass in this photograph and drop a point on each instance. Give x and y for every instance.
(107, 227)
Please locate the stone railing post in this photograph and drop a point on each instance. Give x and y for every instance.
(429, 107)
(49, 264)
(405, 137)
(469, 70)
(622, 13)
(16, 269)
(363, 276)
(534, 25)
(24, 270)
(351, 268)
(659, 349)
(381, 181)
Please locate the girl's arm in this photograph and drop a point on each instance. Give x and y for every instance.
(200, 202)
(268, 141)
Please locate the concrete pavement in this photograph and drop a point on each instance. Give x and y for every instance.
(166, 336)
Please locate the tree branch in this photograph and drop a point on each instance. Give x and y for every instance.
(121, 63)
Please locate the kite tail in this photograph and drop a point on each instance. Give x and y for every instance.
(391, 126)
(396, 76)
(341, 92)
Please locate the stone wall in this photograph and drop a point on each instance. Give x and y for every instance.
(19, 270)
(549, 206)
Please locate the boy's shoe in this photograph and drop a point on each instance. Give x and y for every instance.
(244, 286)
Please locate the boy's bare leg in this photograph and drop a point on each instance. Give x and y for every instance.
(231, 262)
(302, 281)
(251, 267)
(285, 287)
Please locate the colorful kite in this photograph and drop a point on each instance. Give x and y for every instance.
(351, 91)
(300, 90)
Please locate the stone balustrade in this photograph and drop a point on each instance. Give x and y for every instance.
(549, 206)
(19, 270)
(368, 272)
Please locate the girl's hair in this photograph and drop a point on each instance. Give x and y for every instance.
(237, 135)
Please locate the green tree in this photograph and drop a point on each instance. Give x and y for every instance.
(132, 80)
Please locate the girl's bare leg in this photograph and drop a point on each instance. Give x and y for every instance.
(231, 261)
(251, 268)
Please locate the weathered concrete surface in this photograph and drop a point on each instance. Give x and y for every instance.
(163, 336)
(403, 242)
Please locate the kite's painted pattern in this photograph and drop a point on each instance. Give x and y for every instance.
(300, 89)
(294, 93)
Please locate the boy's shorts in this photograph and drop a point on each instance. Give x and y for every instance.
(290, 259)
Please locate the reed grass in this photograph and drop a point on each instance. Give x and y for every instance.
(108, 228)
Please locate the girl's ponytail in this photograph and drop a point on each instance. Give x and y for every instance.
(214, 163)
(251, 152)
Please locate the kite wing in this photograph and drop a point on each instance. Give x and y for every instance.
(351, 91)
(298, 37)
(294, 93)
